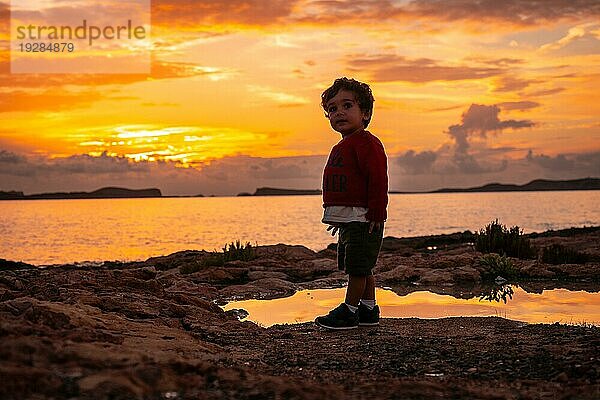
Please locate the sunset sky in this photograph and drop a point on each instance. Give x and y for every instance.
(467, 93)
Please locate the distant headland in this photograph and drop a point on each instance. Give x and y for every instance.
(537, 185)
(267, 191)
(104, 193)
(116, 192)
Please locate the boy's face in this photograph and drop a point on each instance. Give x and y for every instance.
(344, 113)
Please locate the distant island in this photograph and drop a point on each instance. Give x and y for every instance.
(537, 185)
(267, 191)
(104, 193)
(116, 192)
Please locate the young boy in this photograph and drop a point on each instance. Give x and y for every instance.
(355, 186)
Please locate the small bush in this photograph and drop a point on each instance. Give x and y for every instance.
(497, 238)
(559, 254)
(238, 251)
(497, 265)
(231, 252)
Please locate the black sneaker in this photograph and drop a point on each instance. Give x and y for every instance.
(339, 318)
(368, 317)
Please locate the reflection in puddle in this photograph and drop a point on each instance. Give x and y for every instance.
(512, 302)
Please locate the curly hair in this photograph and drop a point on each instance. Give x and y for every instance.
(362, 93)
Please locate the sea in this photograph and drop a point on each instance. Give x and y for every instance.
(48, 232)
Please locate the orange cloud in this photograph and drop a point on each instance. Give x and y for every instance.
(50, 100)
(513, 12)
(185, 13)
(509, 12)
(518, 105)
(55, 97)
(387, 68)
(160, 70)
(512, 83)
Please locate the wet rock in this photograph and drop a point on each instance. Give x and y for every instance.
(177, 260)
(263, 288)
(7, 265)
(199, 290)
(537, 271)
(18, 306)
(402, 273)
(285, 252)
(217, 275)
(41, 314)
(256, 275)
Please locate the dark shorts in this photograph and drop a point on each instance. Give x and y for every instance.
(357, 249)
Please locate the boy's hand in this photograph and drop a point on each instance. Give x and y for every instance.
(333, 229)
(375, 226)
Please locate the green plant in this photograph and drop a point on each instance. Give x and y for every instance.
(559, 254)
(497, 238)
(231, 252)
(238, 251)
(497, 265)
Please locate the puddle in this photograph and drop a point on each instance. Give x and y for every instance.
(557, 305)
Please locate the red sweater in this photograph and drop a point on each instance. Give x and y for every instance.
(356, 175)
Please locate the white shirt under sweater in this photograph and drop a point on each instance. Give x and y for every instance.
(343, 214)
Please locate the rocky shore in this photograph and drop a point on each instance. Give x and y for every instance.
(147, 330)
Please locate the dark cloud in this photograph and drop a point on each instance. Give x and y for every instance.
(507, 12)
(468, 153)
(426, 170)
(546, 92)
(446, 108)
(557, 163)
(7, 157)
(225, 176)
(417, 163)
(15, 164)
(501, 62)
(478, 120)
(511, 83)
(271, 169)
(182, 13)
(389, 67)
(267, 170)
(518, 105)
(516, 12)
(103, 164)
(587, 164)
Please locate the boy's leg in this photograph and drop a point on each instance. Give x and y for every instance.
(369, 292)
(356, 289)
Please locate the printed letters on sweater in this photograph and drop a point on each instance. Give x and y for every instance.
(356, 175)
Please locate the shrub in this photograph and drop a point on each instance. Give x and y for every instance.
(497, 265)
(559, 254)
(497, 238)
(231, 252)
(238, 251)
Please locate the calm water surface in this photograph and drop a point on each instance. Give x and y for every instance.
(557, 305)
(61, 231)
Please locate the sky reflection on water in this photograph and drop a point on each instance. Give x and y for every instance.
(557, 305)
